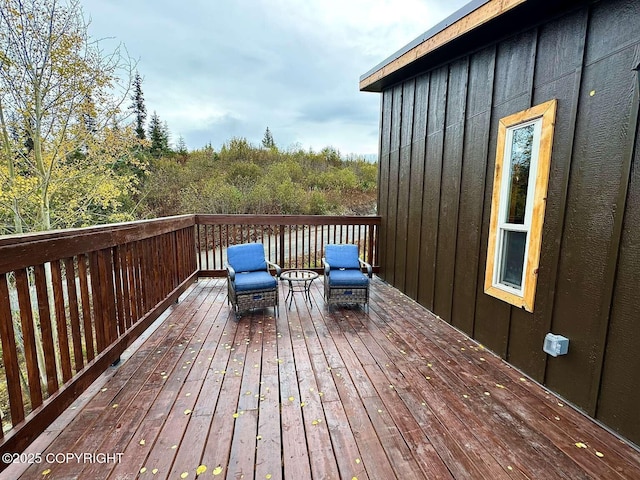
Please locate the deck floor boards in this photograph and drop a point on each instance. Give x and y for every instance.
(388, 392)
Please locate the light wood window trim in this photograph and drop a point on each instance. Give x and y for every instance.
(546, 111)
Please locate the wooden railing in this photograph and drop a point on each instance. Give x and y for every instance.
(72, 301)
(291, 241)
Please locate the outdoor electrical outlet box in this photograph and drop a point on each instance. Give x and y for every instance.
(555, 345)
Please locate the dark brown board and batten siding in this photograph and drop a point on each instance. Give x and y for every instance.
(437, 157)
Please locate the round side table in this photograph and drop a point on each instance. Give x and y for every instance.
(299, 281)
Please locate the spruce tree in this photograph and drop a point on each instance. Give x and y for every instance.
(158, 136)
(181, 146)
(267, 140)
(138, 106)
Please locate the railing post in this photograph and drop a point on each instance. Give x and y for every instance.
(370, 246)
(281, 259)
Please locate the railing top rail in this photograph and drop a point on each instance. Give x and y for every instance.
(288, 219)
(72, 232)
(20, 251)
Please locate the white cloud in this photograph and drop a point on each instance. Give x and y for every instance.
(216, 69)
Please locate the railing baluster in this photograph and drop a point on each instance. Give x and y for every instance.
(223, 245)
(28, 337)
(135, 292)
(206, 246)
(72, 294)
(10, 356)
(96, 297)
(119, 295)
(46, 332)
(61, 322)
(86, 307)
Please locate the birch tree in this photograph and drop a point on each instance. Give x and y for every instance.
(62, 132)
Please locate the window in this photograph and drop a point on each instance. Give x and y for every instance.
(517, 206)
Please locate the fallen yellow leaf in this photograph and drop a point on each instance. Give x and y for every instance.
(154, 471)
(187, 411)
(143, 469)
(599, 454)
(115, 405)
(581, 445)
(217, 470)
(142, 442)
(184, 475)
(236, 415)
(201, 469)
(46, 472)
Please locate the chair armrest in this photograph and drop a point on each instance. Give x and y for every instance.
(327, 267)
(231, 273)
(276, 266)
(369, 269)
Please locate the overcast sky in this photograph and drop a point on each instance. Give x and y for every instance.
(215, 69)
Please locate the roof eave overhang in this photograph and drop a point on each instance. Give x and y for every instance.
(465, 20)
(475, 26)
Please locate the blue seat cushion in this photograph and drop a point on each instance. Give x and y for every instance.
(347, 278)
(248, 257)
(342, 256)
(248, 281)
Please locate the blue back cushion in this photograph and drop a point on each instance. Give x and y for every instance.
(248, 257)
(342, 256)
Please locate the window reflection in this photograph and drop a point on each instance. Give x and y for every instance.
(513, 245)
(519, 164)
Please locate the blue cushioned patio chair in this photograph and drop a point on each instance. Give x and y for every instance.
(344, 281)
(249, 282)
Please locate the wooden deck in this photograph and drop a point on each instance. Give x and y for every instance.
(389, 393)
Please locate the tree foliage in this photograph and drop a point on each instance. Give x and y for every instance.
(64, 154)
(242, 178)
